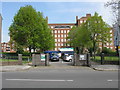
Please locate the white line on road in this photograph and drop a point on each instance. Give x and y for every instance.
(38, 80)
(110, 80)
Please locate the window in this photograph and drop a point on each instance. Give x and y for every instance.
(52, 27)
(55, 40)
(64, 31)
(61, 31)
(58, 40)
(71, 26)
(61, 40)
(81, 21)
(110, 34)
(62, 35)
(62, 26)
(65, 40)
(55, 31)
(61, 44)
(55, 48)
(58, 35)
(58, 31)
(58, 44)
(55, 35)
(55, 44)
(68, 31)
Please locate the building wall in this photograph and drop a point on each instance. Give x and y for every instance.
(60, 32)
(6, 47)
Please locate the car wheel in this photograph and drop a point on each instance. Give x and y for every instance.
(70, 60)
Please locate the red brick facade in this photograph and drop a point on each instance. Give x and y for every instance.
(60, 32)
(7, 48)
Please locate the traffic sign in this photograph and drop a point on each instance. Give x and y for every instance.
(42, 57)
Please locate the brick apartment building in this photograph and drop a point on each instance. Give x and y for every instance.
(6, 47)
(61, 30)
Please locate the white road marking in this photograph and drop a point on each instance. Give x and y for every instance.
(38, 80)
(110, 80)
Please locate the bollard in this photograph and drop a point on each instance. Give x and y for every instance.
(20, 59)
(75, 57)
(88, 59)
(102, 58)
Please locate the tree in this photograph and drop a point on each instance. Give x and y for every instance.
(30, 29)
(90, 34)
(114, 4)
(79, 38)
(115, 7)
(99, 31)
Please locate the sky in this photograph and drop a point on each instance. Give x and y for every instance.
(57, 12)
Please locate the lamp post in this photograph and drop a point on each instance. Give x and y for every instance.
(119, 27)
(0, 36)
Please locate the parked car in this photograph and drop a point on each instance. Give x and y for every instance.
(54, 57)
(69, 58)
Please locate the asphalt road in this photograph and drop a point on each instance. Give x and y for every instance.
(59, 76)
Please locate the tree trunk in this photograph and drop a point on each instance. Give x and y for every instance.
(30, 52)
(34, 50)
(102, 46)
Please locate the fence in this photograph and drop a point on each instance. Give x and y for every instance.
(15, 60)
(105, 59)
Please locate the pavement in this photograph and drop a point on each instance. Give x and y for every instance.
(14, 68)
(106, 67)
(26, 67)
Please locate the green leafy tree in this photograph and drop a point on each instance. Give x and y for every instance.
(29, 29)
(79, 38)
(99, 31)
(90, 34)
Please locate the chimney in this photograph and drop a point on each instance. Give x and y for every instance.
(76, 19)
(88, 15)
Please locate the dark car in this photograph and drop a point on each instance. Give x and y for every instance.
(54, 57)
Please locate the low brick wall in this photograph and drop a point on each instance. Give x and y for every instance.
(10, 63)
